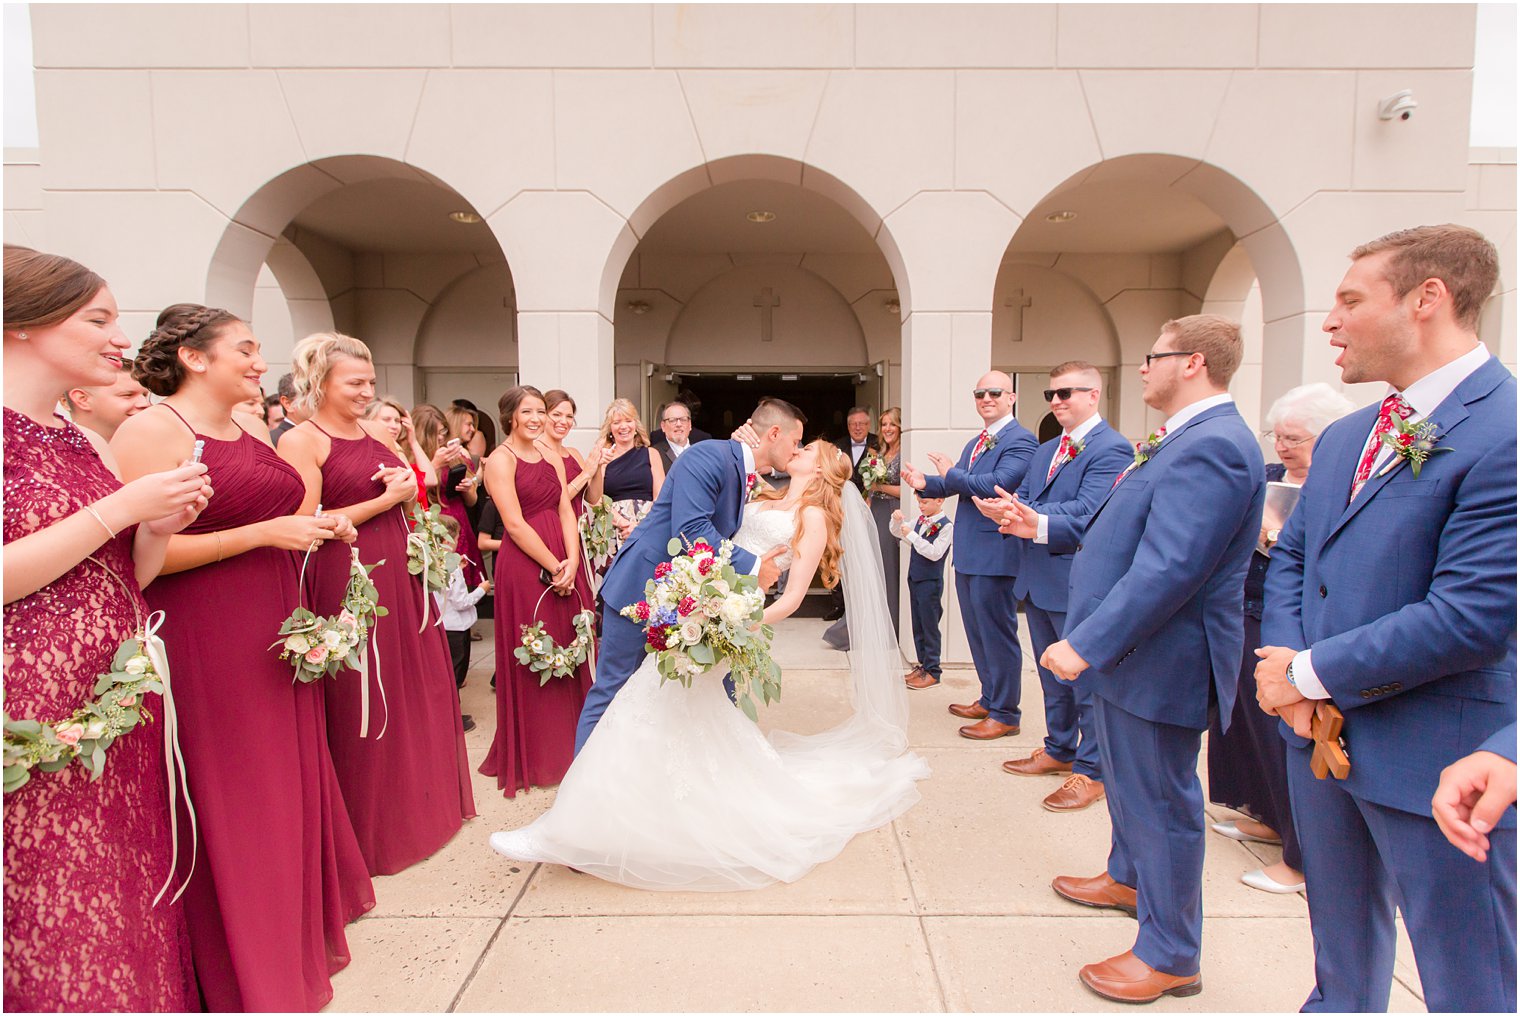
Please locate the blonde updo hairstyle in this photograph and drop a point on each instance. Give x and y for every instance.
(823, 491)
(622, 407)
(313, 359)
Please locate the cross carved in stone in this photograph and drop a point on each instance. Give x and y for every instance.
(766, 300)
(1021, 303)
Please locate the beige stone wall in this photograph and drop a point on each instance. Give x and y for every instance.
(179, 143)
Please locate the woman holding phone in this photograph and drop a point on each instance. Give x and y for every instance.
(456, 478)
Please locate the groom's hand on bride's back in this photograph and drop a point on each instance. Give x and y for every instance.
(769, 573)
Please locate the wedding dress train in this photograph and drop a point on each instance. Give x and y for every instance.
(678, 790)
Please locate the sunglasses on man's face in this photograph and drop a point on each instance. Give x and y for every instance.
(982, 393)
(1051, 394)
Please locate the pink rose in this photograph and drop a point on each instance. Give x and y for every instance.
(317, 656)
(128, 702)
(69, 734)
(347, 617)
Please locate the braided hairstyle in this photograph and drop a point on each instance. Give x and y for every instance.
(158, 366)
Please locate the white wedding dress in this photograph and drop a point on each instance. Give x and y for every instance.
(676, 789)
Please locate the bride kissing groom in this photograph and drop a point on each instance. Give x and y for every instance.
(675, 788)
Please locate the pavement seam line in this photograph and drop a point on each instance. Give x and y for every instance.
(469, 978)
(918, 916)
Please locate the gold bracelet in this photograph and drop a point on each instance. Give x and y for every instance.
(218, 547)
(91, 509)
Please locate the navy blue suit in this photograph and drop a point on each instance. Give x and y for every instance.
(1155, 608)
(1406, 599)
(985, 564)
(703, 498)
(1077, 489)
(926, 591)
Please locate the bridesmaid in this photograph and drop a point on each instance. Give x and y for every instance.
(560, 422)
(279, 871)
(83, 858)
(397, 422)
(627, 469)
(407, 792)
(535, 726)
(885, 498)
(457, 498)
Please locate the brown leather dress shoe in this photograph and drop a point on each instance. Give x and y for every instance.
(910, 675)
(1128, 978)
(988, 730)
(1076, 793)
(975, 711)
(921, 680)
(1100, 891)
(1038, 764)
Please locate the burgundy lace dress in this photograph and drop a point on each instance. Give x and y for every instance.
(280, 871)
(407, 791)
(83, 859)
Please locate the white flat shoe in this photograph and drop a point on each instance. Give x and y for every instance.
(1232, 830)
(1259, 879)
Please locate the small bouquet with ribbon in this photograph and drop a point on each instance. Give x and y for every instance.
(598, 535)
(540, 654)
(872, 469)
(429, 551)
(698, 611)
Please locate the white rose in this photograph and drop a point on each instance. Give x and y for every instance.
(332, 638)
(736, 609)
(559, 660)
(691, 632)
(137, 665)
(720, 587)
(96, 729)
(298, 644)
(537, 647)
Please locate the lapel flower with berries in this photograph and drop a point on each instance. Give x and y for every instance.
(1145, 449)
(754, 486)
(1412, 443)
(1077, 446)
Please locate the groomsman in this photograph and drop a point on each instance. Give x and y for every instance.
(1391, 594)
(1154, 629)
(1069, 476)
(985, 562)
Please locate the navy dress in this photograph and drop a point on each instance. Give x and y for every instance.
(1248, 767)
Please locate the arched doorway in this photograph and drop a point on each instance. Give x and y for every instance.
(1118, 249)
(758, 276)
(384, 251)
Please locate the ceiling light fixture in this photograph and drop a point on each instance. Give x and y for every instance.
(638, 306)
(467, 218)
(761, 216)
(1065, 215)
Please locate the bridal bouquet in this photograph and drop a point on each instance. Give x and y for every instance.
(698, 611)
(872, 469)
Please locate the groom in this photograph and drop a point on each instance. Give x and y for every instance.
(703, 498)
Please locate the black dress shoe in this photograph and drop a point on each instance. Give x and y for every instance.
(467, 721)
(834, 614)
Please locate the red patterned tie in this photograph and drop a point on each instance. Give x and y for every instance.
(1392, 404)
(1062, 454)
(976, 451)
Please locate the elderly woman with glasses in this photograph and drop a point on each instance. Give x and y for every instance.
(1248, 766)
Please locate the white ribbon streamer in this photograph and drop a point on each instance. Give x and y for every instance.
(357, 567)
(415, 538)
(174, 759)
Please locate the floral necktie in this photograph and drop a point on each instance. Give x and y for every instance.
(1063, 455)
(1392, 404)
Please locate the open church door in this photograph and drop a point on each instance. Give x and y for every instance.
(656, 390)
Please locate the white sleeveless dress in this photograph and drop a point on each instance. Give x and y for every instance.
(678, 790)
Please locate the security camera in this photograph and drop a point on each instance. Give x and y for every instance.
(1398, 106)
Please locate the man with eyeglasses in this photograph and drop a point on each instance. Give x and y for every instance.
(986, 563)
(676, 433)
(1070, 475)
(1154, 630)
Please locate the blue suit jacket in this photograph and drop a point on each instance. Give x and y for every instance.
(1407, 595)
(979, 548)
(703, 498)
(1158, 583)
(1076, 490)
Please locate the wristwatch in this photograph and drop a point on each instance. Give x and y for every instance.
(1289, 674)
(1273, 534)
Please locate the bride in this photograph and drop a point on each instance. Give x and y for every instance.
(676, 789)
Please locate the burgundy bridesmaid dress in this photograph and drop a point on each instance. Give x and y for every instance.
(83, 858)
(407, 791)
(279, 871)
(451, 503)
(535, 726)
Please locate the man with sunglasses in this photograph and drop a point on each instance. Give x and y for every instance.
(986, 563)
(1070, 475)
(1155, 630)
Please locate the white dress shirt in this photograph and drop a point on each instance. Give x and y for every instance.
(1423, 397)
(676, 449)
(930, 549)
(457, 603)
(857, 449)
(1077, 433)
(749, 470)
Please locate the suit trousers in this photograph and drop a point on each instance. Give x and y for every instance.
(1360, 860)
(459, 654)
(619, 654)
(1069, 735)
(926, 604)
(1155, 806)
(989, 611)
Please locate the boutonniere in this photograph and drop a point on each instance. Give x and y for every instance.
(1412, 443)
(1145, 449)
(1077, 447)
(934, 529)
(753, 486)
(989, 442)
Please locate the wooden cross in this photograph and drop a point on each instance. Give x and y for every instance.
(1022, 303)
(1329, 753)
(765, 301)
